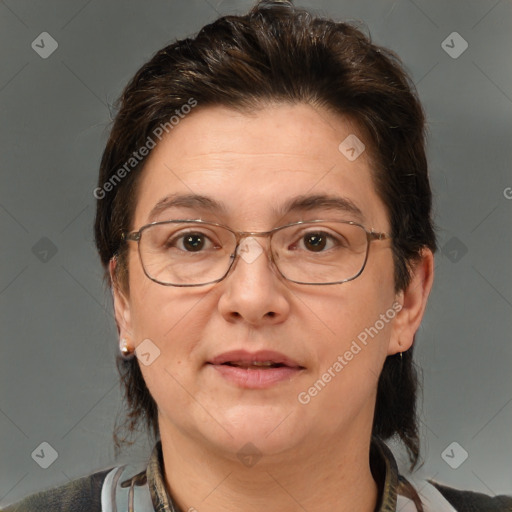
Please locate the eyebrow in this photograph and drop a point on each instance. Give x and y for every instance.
(186, 201)
(295, 204)
(321, 201)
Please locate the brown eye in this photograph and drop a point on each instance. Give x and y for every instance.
(193, 242)
(190, 242)
(315, 241)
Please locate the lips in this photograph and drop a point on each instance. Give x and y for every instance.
(258, 360)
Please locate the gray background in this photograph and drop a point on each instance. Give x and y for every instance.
(57, 376)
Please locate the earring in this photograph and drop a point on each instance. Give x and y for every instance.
(126, 352)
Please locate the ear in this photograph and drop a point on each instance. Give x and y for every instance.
(413, 301)
(121, 304)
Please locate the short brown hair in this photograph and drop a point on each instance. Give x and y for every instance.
(281, 53)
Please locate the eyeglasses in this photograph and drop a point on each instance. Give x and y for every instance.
(197, 253)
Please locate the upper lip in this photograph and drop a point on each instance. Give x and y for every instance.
(245, 357)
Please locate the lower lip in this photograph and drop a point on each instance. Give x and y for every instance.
(255, 378)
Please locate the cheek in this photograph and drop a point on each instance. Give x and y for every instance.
(172, 318)
(154, 308)
(355, 320)
(357, 323)
(350, 355)
(173, 323)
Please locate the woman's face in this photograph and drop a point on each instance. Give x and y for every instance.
(253, 165)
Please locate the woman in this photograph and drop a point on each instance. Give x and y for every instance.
(264, 221)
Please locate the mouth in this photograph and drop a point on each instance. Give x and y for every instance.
(263, 359)
(257, 365)
(259, 370)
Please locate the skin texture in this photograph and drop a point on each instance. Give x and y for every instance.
(314, 456)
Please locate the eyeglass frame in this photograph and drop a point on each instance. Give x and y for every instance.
(136, 236)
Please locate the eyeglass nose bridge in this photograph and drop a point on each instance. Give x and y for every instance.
(251, 251)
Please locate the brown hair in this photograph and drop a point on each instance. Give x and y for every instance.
(281, 53)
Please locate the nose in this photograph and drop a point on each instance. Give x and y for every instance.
(254, 292)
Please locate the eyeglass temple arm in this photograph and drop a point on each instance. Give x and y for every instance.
(378, 236)
(135, 236)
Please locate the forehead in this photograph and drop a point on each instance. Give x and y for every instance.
(254, 165)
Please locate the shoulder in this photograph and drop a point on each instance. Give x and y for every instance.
(469, 501)
(81, 495)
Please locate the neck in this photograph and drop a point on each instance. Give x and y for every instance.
(331, 474)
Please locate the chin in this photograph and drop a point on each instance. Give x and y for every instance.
(270, 431)
(249, 447)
